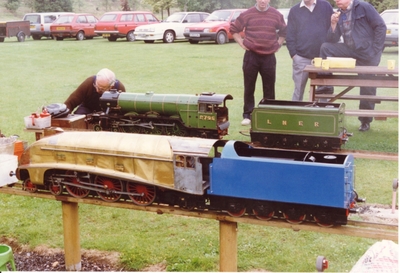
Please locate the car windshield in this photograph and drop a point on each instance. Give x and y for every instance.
(391, 18)
(175, 18)
(65, 19)
(108, 17)
(218, 16)
(33, 19)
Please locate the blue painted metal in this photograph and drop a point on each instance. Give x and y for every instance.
(282, 179)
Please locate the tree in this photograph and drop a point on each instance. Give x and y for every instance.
(161, 5)
(12, 5)
(384, 5)
(125, 5)
(211, 5)
(53, 5)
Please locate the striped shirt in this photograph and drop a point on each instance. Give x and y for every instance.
(261, 29)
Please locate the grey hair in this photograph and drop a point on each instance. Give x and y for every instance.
(106, 74)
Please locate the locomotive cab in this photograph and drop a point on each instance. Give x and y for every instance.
(212, 108)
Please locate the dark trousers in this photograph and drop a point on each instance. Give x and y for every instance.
(341, 50)
(253, 64)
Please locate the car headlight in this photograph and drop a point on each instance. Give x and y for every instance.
(186, 29)
(206, 30)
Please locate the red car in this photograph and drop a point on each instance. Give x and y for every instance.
(121, 24)
(214, 28)
(77, 25)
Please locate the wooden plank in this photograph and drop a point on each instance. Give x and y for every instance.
(374, 70)
(359, 97)
(372, 113)
(72, 246)
(371, 155)
(378, 82)
(228, 246)
(220, 216)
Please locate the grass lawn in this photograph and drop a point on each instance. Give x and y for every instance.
(37, 73)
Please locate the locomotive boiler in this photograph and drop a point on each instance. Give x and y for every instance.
(299, 125)
(193, 173)
(204, 115)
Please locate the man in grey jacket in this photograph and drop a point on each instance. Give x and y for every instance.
(363, 31)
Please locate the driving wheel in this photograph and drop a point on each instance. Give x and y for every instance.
(77, 190)
(144, 195)
(111, 187)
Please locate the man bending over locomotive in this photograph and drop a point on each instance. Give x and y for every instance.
(87, 96)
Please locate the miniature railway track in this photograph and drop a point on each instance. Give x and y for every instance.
(371, 154)
(355, 153)
(353, 228)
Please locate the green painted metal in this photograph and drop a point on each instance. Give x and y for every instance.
(186, 106)
(206, 113)
(296, 119)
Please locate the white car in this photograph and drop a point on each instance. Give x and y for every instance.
(171, 29)
(391, 18)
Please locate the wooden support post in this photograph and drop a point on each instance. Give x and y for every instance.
(227, 246)
(72, 248)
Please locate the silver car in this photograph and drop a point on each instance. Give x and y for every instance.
(40, 23)
(391, 18)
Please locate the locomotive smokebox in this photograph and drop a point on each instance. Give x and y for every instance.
(109, 99)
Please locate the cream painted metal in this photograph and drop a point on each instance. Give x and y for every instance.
(149, 159)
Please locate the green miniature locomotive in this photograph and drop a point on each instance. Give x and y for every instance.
(204, 115)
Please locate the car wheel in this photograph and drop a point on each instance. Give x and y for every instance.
(36, 37)
(59, 38)
(21, 36)
(193, 42)
(80, 36)
(112, 38)
(149, 41)
(221, 38)
(1, 39)
(130, 36)
(169, 37)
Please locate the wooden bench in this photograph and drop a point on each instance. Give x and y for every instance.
(360, 76)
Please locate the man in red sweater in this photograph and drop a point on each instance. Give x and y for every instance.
(87, 96)
(263, 25)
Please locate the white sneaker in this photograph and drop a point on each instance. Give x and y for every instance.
(246, 121)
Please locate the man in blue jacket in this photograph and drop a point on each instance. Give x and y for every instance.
(363, 31)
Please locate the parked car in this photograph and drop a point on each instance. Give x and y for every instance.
(214, 28)
(40, 23)
(121, 24)
(391, 18)
(171, 29)
(79, 26)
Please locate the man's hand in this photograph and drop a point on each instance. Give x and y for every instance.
(335, 20)
(239, 40)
